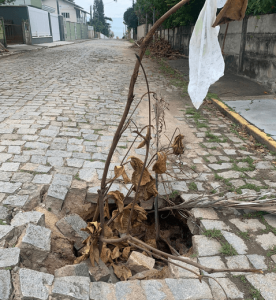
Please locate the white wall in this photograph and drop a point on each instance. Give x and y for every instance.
(65, 7)
(39, 20)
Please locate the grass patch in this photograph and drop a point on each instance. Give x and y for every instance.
(214, 139)
(244, 235)
(2, 222)
(213, 233)
(271, 252)
(197, 117)
(228, 249)
(174, 194)
(147, 53)
(250, 186)
(77, 177)
(192, 186)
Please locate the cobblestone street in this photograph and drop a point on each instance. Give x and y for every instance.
(59, 110)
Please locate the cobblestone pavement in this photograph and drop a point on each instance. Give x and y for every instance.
(59, 110)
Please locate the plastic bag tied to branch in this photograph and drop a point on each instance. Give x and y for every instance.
(205, 57)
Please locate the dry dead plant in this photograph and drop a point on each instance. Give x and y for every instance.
(117, 234)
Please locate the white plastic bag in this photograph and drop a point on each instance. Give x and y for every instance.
(205, 58)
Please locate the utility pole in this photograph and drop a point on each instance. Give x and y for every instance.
(58, 12)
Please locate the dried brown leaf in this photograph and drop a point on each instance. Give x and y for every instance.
(115, 253)
(137, 166)
(108, 233)
(178, 147)
(106, 254)
(160, 166)
(120, 171)
(126, 253)
(119, 198)
(121, 271)
(147, 138)
(106, 210)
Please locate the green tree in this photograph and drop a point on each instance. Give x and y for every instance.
(99, 20)
(3, 2)
(130, 18)
(257, 7)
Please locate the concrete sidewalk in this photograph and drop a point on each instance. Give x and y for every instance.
(22, 48)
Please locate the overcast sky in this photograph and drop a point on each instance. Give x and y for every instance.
(112, 9)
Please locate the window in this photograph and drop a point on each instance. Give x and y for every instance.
(66, 15)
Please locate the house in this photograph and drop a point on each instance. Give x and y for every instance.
(69, 10)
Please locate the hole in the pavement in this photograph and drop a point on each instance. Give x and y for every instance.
(66, 244)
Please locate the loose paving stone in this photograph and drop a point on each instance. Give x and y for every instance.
(138, 262)
(205, 213)
(102, 290)
(237, 262)
(71, 226)
(189, 289)
(266, 241)
(5, 285)
(9, 257)
(204, 246)
(16, 200)
(129, 290)
(71, 287)
(23, 218)
(55, 197)
(73, 270)
(213, 262)
(271, 220)
(42, 179)
(98, 272)
(249, 224)
(35, 243)
(265, 284)
(258, 261)
(6, 232)
(273, 257)
(35, 285)
(237, 243)
(228, 286)
(214, 224)
(178, 272)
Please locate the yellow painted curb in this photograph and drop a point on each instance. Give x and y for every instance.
(259, 135)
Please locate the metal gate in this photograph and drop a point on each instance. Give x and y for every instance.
(55, 27)
(14, 33)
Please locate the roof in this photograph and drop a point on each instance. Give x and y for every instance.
(76, 6)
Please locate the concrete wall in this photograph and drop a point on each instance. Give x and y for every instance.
(250, 46)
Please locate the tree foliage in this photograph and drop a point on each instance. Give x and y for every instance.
(130, 18)
(99, 20)
(257, 7)
(188, 14)
(3, 2)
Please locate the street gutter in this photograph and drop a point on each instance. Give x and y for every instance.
(259, 135)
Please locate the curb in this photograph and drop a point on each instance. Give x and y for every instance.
(41, 48)
(259, 135)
